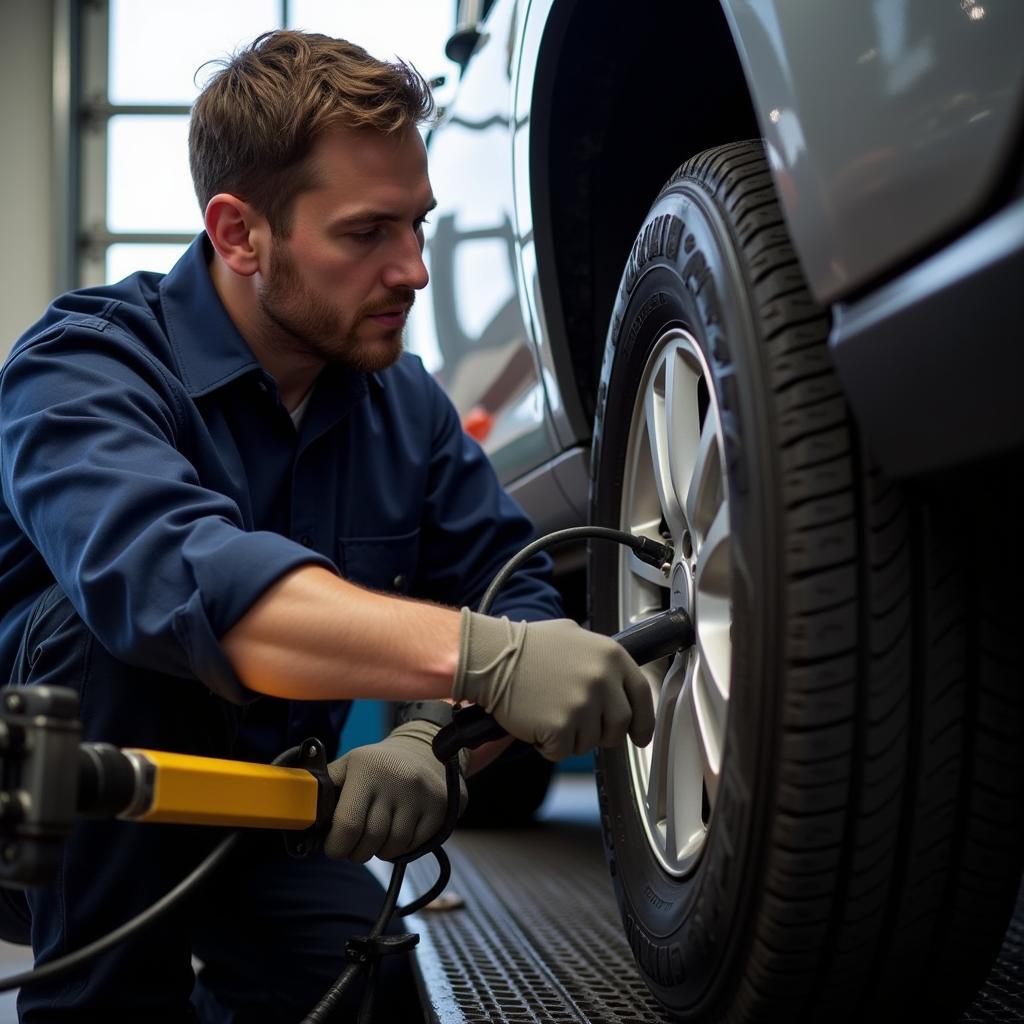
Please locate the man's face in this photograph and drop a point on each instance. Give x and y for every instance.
(340, 285)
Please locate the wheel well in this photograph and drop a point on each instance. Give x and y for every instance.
(619, 102)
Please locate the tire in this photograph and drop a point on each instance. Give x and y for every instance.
(828, 824)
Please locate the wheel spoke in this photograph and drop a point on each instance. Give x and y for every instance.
(645, 571)
(713, 614)
(684, 792)
(659, 751)
(705, 494)
(709, 717)
(682, 416)
(659, 443)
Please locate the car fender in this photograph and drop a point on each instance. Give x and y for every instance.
(889, 125)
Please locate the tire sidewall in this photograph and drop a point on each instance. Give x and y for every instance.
(684, 271)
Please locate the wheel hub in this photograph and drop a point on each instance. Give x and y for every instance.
(681, 580)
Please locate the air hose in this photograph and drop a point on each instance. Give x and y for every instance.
(645, 641)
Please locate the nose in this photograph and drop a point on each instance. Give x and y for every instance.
(406, 269)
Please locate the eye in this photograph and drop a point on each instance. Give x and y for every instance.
(420, 222)
(369, 235)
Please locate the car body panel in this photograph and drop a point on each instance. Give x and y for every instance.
(541, 306)
(931, 363)
(894, 111)
(468, 327)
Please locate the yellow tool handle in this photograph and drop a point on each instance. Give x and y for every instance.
(187, 790)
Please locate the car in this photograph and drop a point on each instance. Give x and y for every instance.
(746, 277)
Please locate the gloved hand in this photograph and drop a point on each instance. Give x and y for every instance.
(393, 795)
(553, 684)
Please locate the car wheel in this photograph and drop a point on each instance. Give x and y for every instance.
(827, 825)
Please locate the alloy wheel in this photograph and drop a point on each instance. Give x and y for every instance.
(674, 489)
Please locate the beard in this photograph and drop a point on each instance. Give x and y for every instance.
(308, 324)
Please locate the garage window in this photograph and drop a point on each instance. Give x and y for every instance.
(134, 67)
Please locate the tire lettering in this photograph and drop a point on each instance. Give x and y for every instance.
(675, 232)
(655, 900)
(700, 282)
(712, 310)
(654, 302)
(659, 238)
(645, 239)
(696, 273)
(720, 350)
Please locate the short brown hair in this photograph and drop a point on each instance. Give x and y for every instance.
(257, 118)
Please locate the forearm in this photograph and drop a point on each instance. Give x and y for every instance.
(314, 636)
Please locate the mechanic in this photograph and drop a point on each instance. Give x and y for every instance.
(231, 505)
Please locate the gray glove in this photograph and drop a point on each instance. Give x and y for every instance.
(553, 684)
(393, 795)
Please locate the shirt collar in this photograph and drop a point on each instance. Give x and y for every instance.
(209, 350)
(207, 345)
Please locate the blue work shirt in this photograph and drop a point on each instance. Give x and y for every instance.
(150, 469)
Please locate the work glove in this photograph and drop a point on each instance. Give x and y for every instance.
(553, 684)
(393, 795)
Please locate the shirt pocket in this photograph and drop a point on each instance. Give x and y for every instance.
(382, 563)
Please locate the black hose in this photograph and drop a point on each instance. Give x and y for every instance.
(141, 921)
(322, 1011)
(649, 550)
(148, 916)
(444, 875)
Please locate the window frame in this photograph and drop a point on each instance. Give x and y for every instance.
(82, 114)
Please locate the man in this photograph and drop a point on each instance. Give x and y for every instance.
(222, 491)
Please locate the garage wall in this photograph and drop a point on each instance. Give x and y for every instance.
(27, 256)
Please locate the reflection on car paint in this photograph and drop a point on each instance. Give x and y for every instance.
(470, 329)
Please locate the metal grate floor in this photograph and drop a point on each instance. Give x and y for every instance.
(1002, 996)
(539, 940)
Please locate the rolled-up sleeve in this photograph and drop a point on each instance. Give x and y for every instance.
(473, 527)
(92, 468)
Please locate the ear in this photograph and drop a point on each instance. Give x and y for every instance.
(237, 233)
